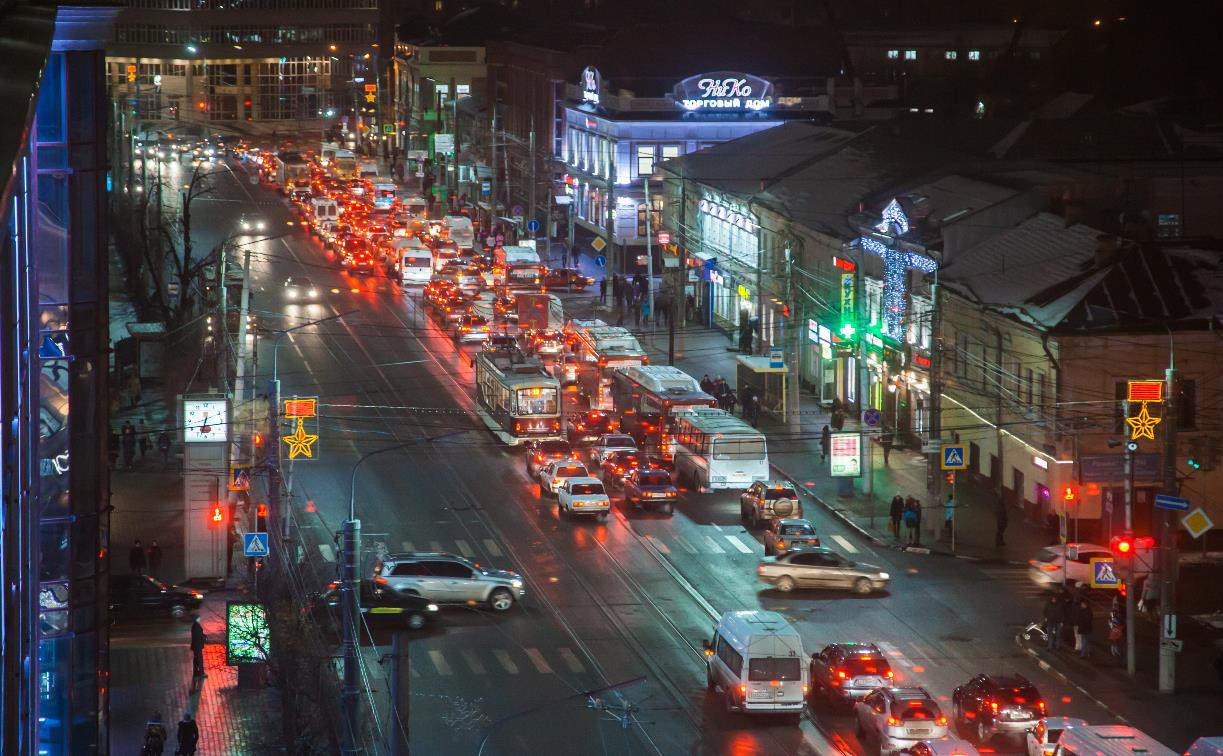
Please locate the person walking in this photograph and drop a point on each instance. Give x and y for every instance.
(188, 735)
(136, 559)
(1000, 518)
(895, 512)
(706, 384)
(1082, 628)
(603, 290)
(910, 519)
(163, 445)
(826, 443)
(948, 516)
(646, 313)
(729, 396)
(128, 440)
(751, 407)
(1150, 597)
(198, 639)
(1116, 632)
(154, 558)
(1055, 617)
(154, 736)
(886, 440)
(144, 445)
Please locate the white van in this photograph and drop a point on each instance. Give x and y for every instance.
(460, 231)
(1109, 740)
(325, 208)
(756, 661)
(415, 260)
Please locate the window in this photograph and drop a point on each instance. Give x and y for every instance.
(893, 54)
(950, 55)
(974, 55)
(910, 55)
(409, 568)
(670, 151)
(645, 159)
(1186, 403)
(449, 570)
(773, 668)
(1027, 385)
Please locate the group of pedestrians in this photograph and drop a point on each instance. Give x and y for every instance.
(633, 295)
(747, 397)
(143, 562)
(188, 736)
(1070, 609)
(128, 440)
(906, 510)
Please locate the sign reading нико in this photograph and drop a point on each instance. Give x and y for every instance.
(724, 90)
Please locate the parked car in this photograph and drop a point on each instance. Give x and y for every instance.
(989, 705)
(554, 473)
(1050, 566)
(539, 453)
(898, 718)
(589, 426)
(377, 604)
(768, 500)
(820, 568)
(650, 487)
(847, 672)
(448, 579)
(583, 496)
(1042, 741)
(782, 536)
(140, 596)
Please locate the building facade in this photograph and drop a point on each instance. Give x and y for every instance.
(53, 382)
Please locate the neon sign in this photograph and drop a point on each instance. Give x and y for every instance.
(724, 90)
(730, 215)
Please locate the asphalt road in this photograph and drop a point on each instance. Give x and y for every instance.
(630, 598)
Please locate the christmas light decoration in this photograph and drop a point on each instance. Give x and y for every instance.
(896, 266)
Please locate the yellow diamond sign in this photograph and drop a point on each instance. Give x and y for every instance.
(1197, 522)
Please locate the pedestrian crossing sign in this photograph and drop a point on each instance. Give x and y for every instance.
(954, 457)
(255, 544)
(1104, 573)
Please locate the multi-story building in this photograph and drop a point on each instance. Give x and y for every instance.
(284, 66)
(54, 492)
(428, 81)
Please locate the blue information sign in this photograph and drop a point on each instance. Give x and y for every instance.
(532, 225)
(601, 261)
(255, 544)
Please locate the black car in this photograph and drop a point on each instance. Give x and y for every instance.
(142, 595)
(540, 453)
(650, 487)
(378, 604)
(644, 427)
(989, 705)
(585, 427)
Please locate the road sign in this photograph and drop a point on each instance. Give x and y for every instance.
(777, 357)
(1197, 522)
(871, 418)
(255, 544)
(1173, 644)
(1169, 626)
(598, 244)
(518, 212)
(1104, 573)
(664, 237)
(388, 128)
(532, 225)
(1177, 504)
(601, 261)
(954, 457)
(240, 478)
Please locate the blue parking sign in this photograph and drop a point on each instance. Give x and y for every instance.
(1104, 573)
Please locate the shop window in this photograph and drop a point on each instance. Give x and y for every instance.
(645, 159)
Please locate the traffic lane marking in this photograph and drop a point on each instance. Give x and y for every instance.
(844, 543)
(738, 544)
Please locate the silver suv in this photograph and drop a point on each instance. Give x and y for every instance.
(449, 579)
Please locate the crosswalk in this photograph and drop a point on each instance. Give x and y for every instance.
(691, 544)
(496, 662)
(1016, 578)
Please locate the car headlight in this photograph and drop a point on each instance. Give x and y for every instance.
(431, 608)
(314, 292)
(884, 576)
(291, 293)
(246, 226)
(516, 583)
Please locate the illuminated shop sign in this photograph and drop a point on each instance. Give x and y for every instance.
(728, 214)
(724, 90)
(592, 83)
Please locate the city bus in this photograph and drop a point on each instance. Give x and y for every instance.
(384, 195)
(656, 389)
(518, 400)
(601, 350)
(1109, 740)
(714, 450)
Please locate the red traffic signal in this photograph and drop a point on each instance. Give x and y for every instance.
(1127, 545)
(951, 478)
(218, 515)
(202, 105)
(1070, 495)
(257, 439)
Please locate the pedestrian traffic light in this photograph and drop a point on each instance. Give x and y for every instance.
(1070, 495)
(218, 515)
(257, 440)
(951, 478)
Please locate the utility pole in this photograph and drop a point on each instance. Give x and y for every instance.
(1168, 563)
(492, 161)
(793, 323)
(1131, 652)
(649, 258)
(531, 156)
(864, 389)
(936, 393)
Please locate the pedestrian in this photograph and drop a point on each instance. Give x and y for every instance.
(1055, 616)
(154, 558)
(895, 512)
(825, 442)
(1116, 631)
(188, 735)
(948, 516)
(911, 512)
(706, 384)
(838, 420)
(719, 386)
(128, 441)
(637, 311)
(154, 736)
(112, 448)
(577, 257)
(752, 406)
(729, 396)
(603, 290)
(136, 559)
(645, 310)
(886, 441)
(163, 445)
(1082, 628)
(1000, 523)
(198, 639)
(144, 446)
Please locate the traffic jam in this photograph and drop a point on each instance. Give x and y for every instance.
(599, 427)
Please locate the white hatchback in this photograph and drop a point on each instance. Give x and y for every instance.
(583, 496)
(1051, 567)
(553, 474)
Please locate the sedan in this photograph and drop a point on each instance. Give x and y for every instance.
(566, 278)
(555, 472)
(469, 328)
(250, 223)
(820, 568)
(1050, 566)
(540, 453)
(617, 465)
(608, 443)
(649, 487)
(583, 496)
(378, 603)
(300, 289)
(899, 718)
(782, 536)
(585, 427)
(143, 595)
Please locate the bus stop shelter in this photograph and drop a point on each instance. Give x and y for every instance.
(760, 372)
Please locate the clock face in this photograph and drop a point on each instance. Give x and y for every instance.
(205, 420)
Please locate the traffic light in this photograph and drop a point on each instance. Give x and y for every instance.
(202, 105)
(951, 478)
(257, 440)
(1070, 495)
(217, 517)
(1122, 545)
(261, 518)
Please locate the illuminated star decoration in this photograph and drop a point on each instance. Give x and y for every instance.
(1142, 425)
(897, 263)
(301, 444)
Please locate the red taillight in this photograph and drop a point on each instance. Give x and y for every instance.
(743, 689)
(841, 674)
(890, 674)
(1041, 705)
(892, 721)
(781, 544)
(381, 581)
(941, 721)
(993, 706)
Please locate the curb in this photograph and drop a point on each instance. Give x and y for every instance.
(1047, 667)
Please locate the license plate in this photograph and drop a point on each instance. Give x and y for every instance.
(1022, 715)
(919, 730)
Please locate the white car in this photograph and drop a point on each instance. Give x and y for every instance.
(944, 747)
(898, 718)
(608, 443)
(583, 496)
(249, 223)
(555, 472)
(1043, 740)
(1050, 567)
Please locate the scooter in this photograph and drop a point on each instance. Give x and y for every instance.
(1036, 633)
